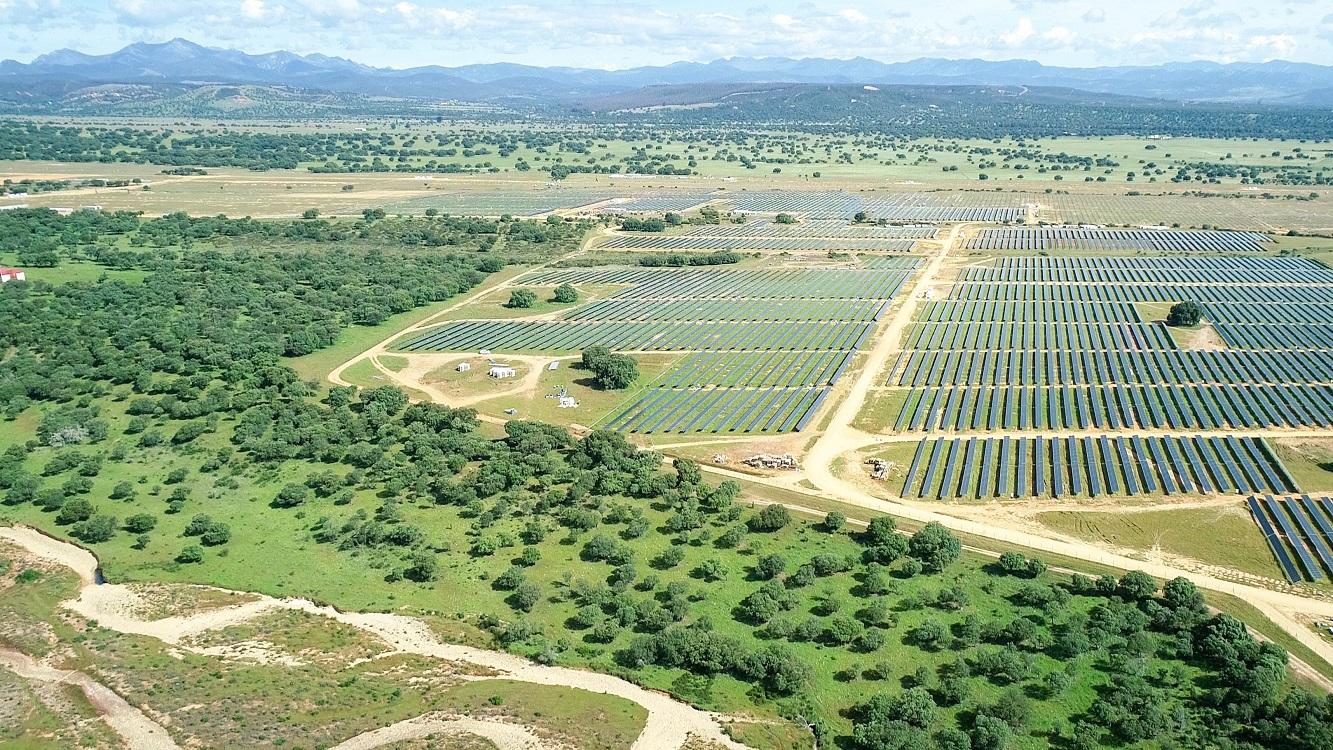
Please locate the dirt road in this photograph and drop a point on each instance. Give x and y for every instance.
(137, 730)
(669, 726)
(503, 735)
(839, 439)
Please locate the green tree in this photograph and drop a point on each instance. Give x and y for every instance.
(521, 299)
(934, 546)
(1185, 314)
(140, 523)
(191, 553)
(616, 372)
(770, 518)
(565, 294)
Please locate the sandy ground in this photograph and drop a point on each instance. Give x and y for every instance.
(138, 731)
(670, 723)
(505, 736)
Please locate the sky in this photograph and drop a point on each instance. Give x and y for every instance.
(600, 34)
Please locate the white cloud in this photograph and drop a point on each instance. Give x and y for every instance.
(1019, 34)
(621, 33)
(255, 10)
(1058, 35)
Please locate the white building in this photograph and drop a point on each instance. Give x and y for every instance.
(12, 274)
(463, 367)
(501, 371)
(568, 402)
(554, 366)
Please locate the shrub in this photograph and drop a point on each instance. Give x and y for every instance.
(770, 518)
(521, 299)
(565, 294)
(192, 553)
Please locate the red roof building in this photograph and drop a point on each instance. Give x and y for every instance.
(12, 274)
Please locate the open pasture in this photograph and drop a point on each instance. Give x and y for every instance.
(1239, 210)
(1042, 466)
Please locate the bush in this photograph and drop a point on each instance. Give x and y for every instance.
(1185, 314)
(770, 518)
(565, 294)
(96, 529)
(140, 523)
(192, 553)
(934, 546)
(291, 496)
(521, 299)
(610, 371)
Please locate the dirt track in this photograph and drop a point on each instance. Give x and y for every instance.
(839, 439)
(505, 736)
(137, 730)
(669, 726)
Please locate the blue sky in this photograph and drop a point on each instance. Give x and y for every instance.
(601, 34)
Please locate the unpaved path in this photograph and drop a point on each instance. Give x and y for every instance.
(1290, 612)
(420, 366)
(505, 736)
(1305, 670)
(138, 731)
(670, 723)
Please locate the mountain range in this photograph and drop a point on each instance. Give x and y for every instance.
(180, 62)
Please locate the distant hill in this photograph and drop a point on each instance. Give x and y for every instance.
(183, 62)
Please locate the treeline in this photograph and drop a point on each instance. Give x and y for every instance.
(40, 237)
(979, 112)
(721, 257)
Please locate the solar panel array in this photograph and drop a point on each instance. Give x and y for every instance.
(927, 207)
(1039, 466)
(688, 242)
(656, 202)
(764, 345)
(1095, 239)
(1300, 532)
(1060, 345)
(824, 228)
(1156, 406)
